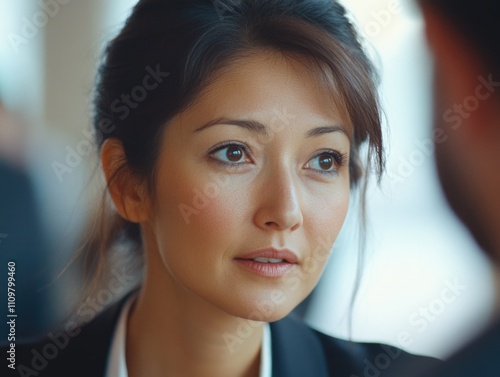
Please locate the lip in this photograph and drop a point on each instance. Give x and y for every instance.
(269, 270)
(285, 254)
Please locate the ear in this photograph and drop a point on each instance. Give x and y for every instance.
(461, 74)
(126, 189)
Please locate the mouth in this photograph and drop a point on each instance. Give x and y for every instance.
(269, 262)
(271, 255)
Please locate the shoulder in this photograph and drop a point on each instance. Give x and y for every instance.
(480, 357)
(70, 350)
(298, 349)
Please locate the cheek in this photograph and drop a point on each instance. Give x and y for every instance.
(327, 211)
(197, 210)
(325, 218)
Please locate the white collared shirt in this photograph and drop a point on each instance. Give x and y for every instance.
(117, 365)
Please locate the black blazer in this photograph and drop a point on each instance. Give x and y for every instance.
(297, 351)
(480, 358)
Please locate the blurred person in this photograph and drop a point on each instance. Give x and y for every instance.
(464, 38)
(23, 240)
(230, 138)
(13, 138)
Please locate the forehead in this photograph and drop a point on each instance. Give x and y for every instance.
(264, 84)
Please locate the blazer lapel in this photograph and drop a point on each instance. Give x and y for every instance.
(296, 351)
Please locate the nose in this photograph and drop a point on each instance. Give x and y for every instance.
(278, 203)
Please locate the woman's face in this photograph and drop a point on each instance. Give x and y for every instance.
(257, 168)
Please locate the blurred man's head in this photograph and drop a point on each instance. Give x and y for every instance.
(464, 36)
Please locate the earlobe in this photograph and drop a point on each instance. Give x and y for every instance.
(126, 189)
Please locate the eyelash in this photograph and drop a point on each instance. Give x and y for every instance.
(224, 145)
(337, 156)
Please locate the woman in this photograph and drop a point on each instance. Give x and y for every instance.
(229, 136)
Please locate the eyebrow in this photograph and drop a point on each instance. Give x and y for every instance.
(326, 130)
(259, 128)
(250, 125)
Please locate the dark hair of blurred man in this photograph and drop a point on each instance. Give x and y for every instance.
(464, 37)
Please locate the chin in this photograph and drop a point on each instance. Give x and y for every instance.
(272, 316)
(269, 306)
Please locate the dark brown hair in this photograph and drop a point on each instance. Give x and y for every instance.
(477, 22)
(187, 43)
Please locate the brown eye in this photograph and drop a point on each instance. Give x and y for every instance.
(234, 154)
(326, 162)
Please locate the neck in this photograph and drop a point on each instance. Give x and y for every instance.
(173, 332)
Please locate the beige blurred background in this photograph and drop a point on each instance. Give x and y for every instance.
(425, 287)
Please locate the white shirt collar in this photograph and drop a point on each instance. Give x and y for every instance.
(117, 365)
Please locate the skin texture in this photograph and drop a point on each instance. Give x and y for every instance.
(195, 297)
(468, 114)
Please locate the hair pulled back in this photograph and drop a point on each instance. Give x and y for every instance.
(170, 51)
